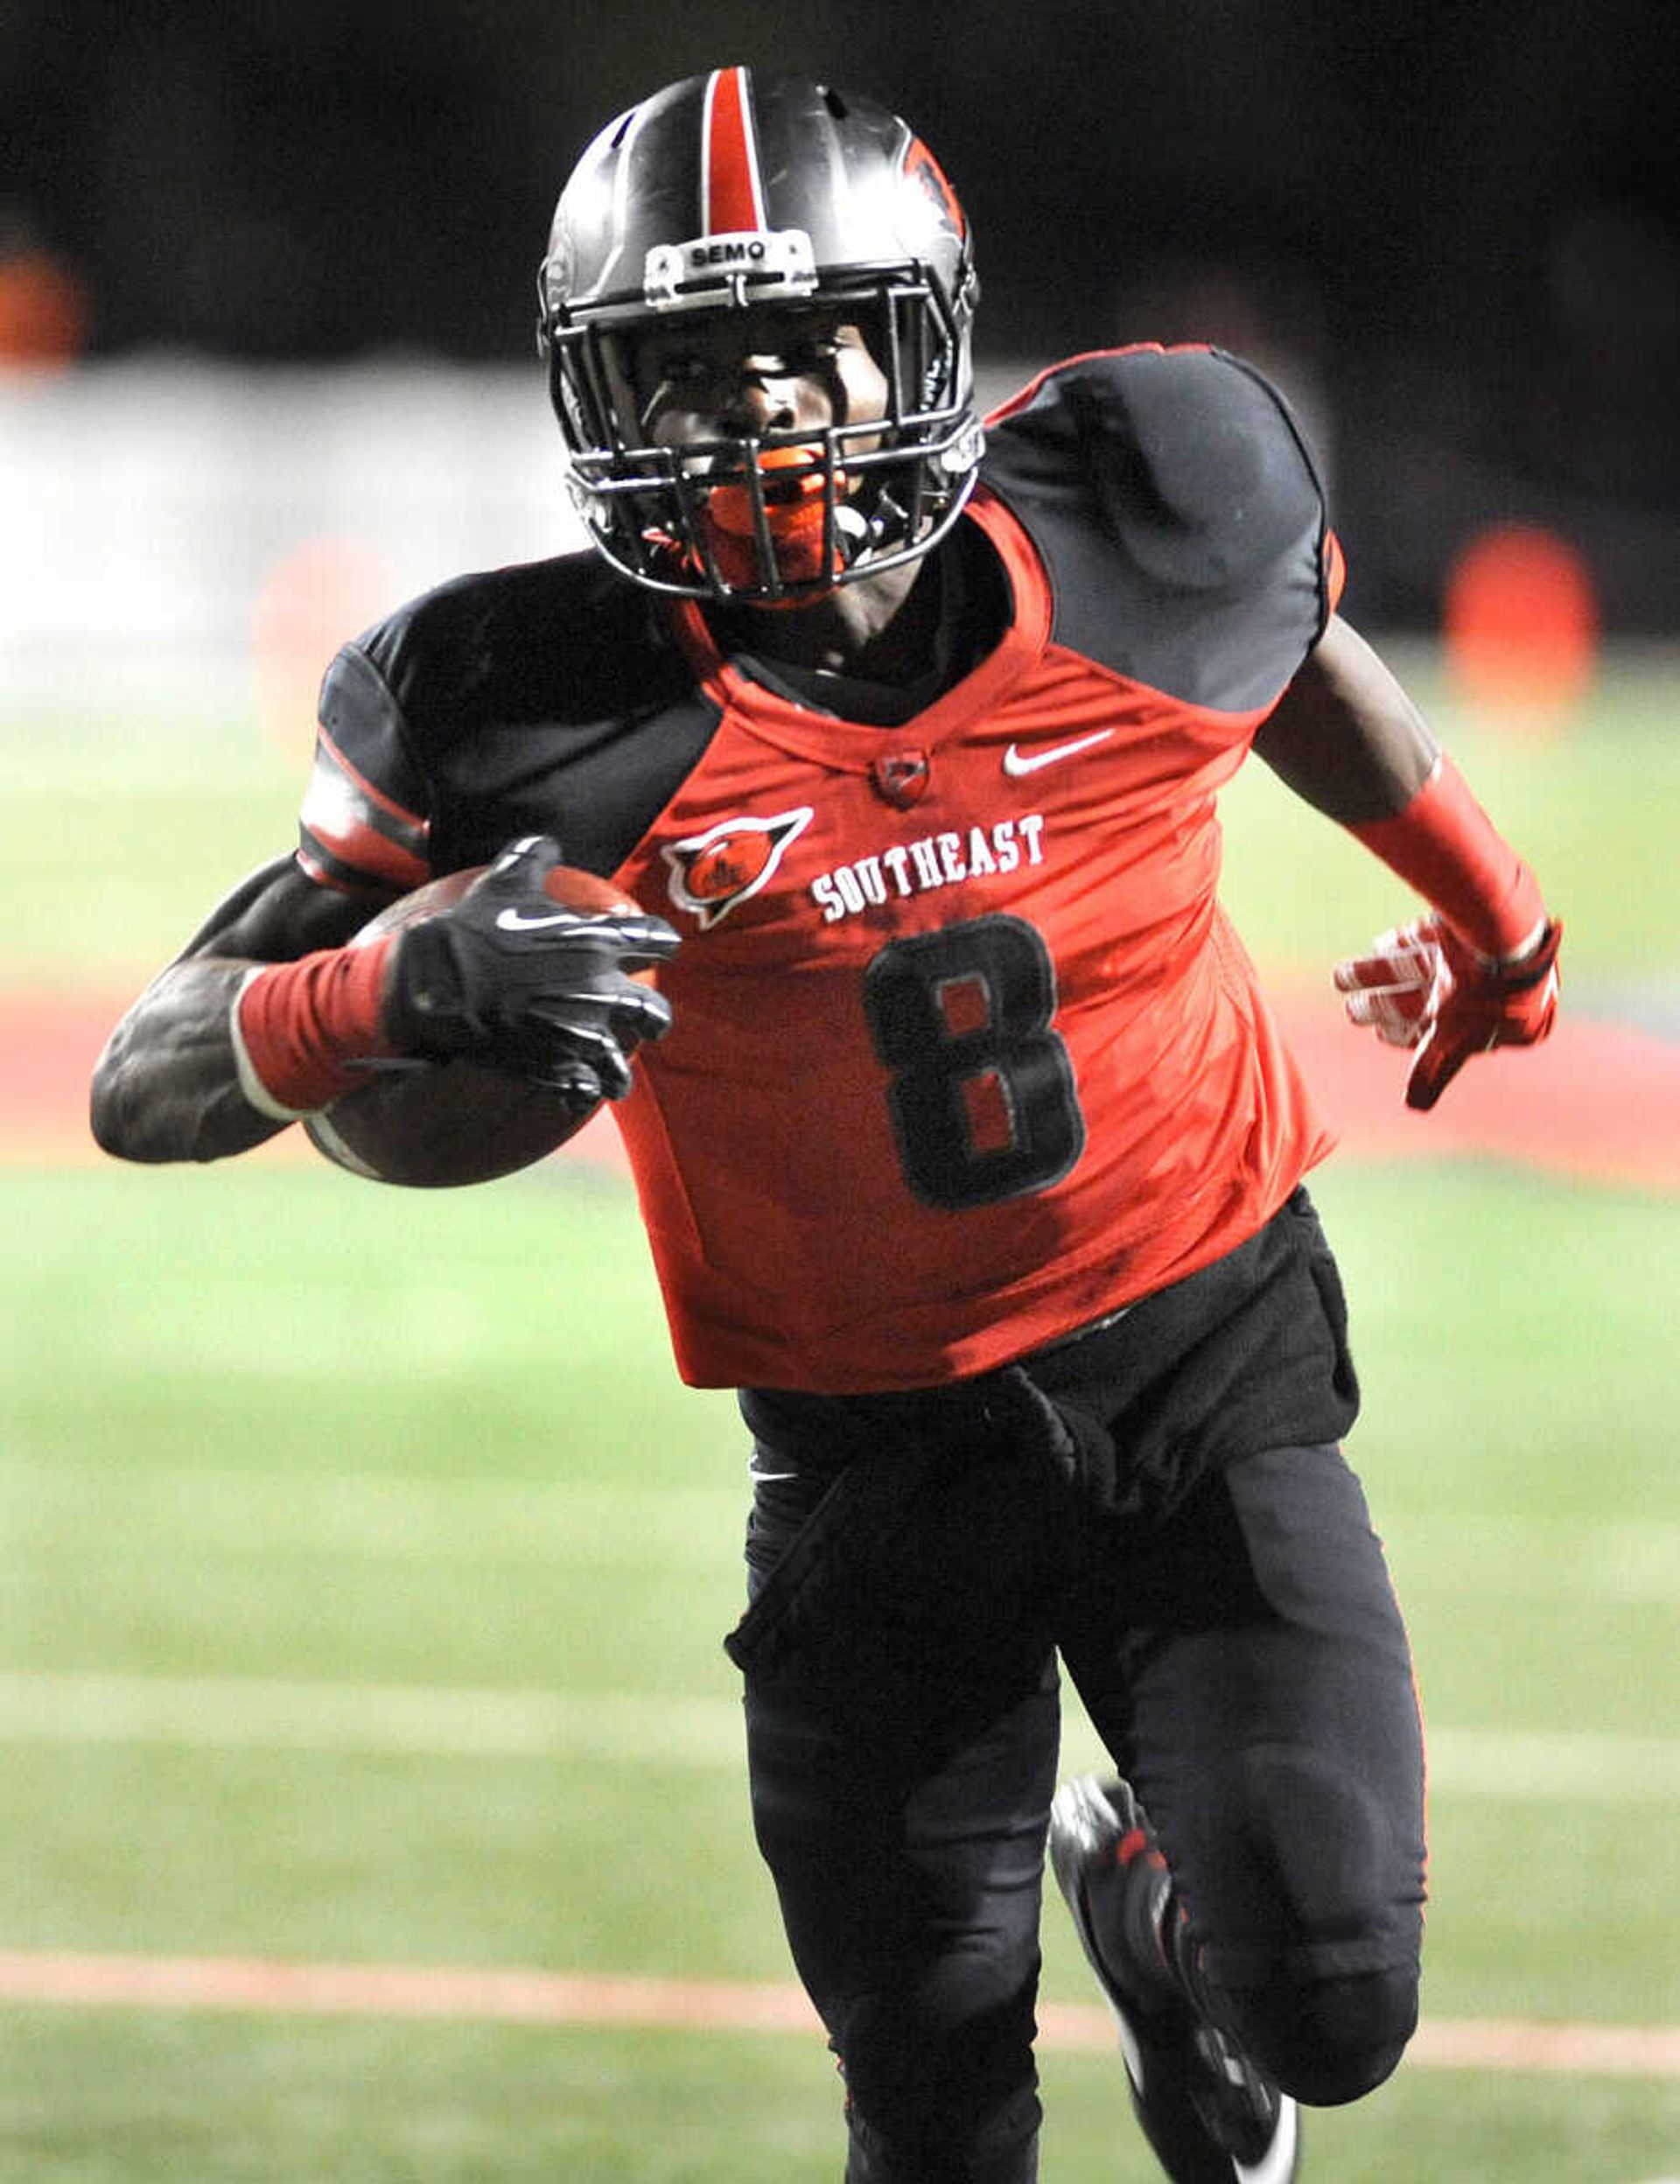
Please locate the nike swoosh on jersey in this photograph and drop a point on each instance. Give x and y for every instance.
(1017, 761)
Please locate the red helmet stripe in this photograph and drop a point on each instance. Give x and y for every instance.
(731, 190)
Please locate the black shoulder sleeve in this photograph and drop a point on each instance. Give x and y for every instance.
(537, 698)
(1179, 511)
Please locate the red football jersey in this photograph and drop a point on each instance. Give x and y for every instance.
(965, 1053)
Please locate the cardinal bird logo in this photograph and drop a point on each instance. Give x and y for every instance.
(710, 872)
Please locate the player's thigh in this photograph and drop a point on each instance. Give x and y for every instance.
(904, 1825)
(902, 1750)
(900, 1838)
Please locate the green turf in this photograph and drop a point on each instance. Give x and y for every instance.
(272, 1424)
(88, 2099)
(212, 1285)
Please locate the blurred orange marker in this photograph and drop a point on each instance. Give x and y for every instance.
(1521, 624)
(43, 311)
(314, 600)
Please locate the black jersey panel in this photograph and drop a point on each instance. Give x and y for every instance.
(1178, 511)
(359, 713)
(541, 698)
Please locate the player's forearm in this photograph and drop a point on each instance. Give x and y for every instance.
(1347, 738)
(167, 1086)
(1344, 736)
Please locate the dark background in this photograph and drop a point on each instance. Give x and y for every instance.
(1447, 225)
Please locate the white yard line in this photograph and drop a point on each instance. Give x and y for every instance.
(230, 1712)
(529, 1997)
(225, 1713)
(1537, 1558)
(1554, 1763)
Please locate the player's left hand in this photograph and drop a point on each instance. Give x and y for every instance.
(1422, 987)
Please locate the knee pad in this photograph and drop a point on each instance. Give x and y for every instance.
(1309, 1945)
(1289, 1857)
(1333, 2040)
(1333, 1857)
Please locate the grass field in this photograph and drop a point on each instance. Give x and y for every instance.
(365, 1567)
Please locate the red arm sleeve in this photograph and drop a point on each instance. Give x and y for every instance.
(1444, 845)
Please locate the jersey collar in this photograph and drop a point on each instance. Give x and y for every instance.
(854, 746)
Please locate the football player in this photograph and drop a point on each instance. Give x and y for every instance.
(966, 1142)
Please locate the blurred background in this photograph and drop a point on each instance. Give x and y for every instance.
(362, 1565)
(296, 241)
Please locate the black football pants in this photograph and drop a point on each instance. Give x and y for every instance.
(1240, 1655)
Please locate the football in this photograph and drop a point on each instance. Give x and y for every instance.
(442, 1123)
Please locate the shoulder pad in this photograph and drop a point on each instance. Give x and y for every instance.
(1180, 514)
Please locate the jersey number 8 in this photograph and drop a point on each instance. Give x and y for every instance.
(982, 1095)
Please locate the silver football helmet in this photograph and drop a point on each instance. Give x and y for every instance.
(723, 192)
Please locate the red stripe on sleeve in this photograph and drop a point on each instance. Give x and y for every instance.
(353, 833)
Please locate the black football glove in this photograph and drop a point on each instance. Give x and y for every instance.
(511, 979)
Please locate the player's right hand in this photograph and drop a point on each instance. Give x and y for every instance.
(1422, 987)
(514, 980)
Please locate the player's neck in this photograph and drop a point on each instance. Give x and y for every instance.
(881, 626)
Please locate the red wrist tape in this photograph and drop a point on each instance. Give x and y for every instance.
(301, 1023)
(1445, 845)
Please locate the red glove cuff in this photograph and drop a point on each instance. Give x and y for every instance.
(297, 1026)
(1445, 845)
